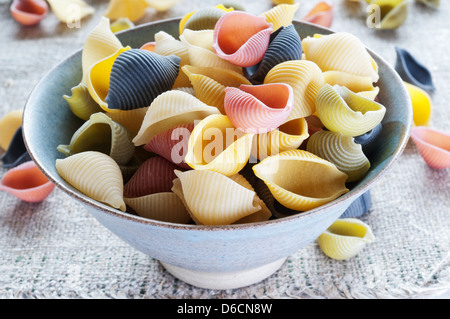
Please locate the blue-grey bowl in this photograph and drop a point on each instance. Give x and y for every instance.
(48, 122)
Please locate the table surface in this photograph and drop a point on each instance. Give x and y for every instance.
(56, 249)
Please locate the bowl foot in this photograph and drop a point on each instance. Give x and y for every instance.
(224, 280)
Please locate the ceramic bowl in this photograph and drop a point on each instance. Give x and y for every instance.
(219, 257)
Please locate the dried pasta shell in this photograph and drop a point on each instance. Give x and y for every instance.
(433, 145)
(9, 124)
(27, 183)
(81, 103)
(281, 15)
(16, 153)
(94, 174)
(168, 110)
(67, 11)
(345, 238)
(241, 38)
(342, 151)
(131, 9)
(121, 24)
(358, 84)
(29, 12)
(276, 2)
(172, 144)
(131, 119)
(101, 134)
(305, 78)
(284, 45)
(138, 77)
(341, 110)
(162, 5)
(166, 207)
(219, 201)
(413, 71)
(369, 140)
(258, 109)
(393, 13)
(290, 135)
(434, 4)
(359, 207)
(216, 145)
(322, 14)
(204, 19)
(340, 51)
(300, 180)
(209, 83)
(421, 103)
(149, 46)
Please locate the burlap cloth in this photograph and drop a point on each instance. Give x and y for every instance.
(56, 249)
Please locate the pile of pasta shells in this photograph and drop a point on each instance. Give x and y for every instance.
(234, 120)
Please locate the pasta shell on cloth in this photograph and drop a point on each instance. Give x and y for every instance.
(131, 119)
(171, 108)
(96, 175)
(241, 38)
(100, 43)
(281, 15)
(258, 109)
(100, 133)
(305, 78)
(345, 238)
(413, 71)
(68, 11)
(422, 105)
(340, 51)
(219, 201)
(433, 145)
(201, 53)
(216, 145)
(284, 45)
(29, 12)
(290, 135)
(300, 180)
(131, 9)
(138, 77)
(434, 4)
(341, 110)
(358, 84)
(9, 124)
(209, 83)
(393, 13)
(321, 14)
(27, 183)
(167, 45)
(172, 144)
(81, 103)
(16, 153)
(121, 24)
(342, 151)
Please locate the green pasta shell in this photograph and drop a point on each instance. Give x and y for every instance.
(81, 103)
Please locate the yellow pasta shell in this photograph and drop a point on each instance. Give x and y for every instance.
(355, 83)
(131, 9)
(8, 127)
(131, 119)
(281, 15)
(300, 180)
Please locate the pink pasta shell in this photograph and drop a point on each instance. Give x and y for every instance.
(27, 183)
(29, 12)
(433, 145)
(322, 14)
(241, 38)
(259, 109)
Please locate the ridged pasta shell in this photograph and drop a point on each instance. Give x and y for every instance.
(305, 78)
(369, 141)
(94, 174)
(342, 151)
(166, 207)
(340, 51)
(241, 38)
(341, 110)
(68, 10)
(413, 71)
(300, 180)
(284, 45)
(138, 77)
(434, 4)
(422, 105)
(121, 24)
(27, 183)
(220, 200)
(345, 238)
(81, 103)
(216, 145)
(131, 119)
(393, 13)
(167, 45)
(170, 109)
(433, 145)
(172, 144)
(281, 15)
(9, 124)
(162, 5)
(290, 135)
(204, 19)
(358, 84)
(131, 9)
(16, 153)
(209, 83)
(258, 109)
(359, 207)
(321, 14)
(29, 12)
(100, 133)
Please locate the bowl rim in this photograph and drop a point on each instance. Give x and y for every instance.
(354, 193)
